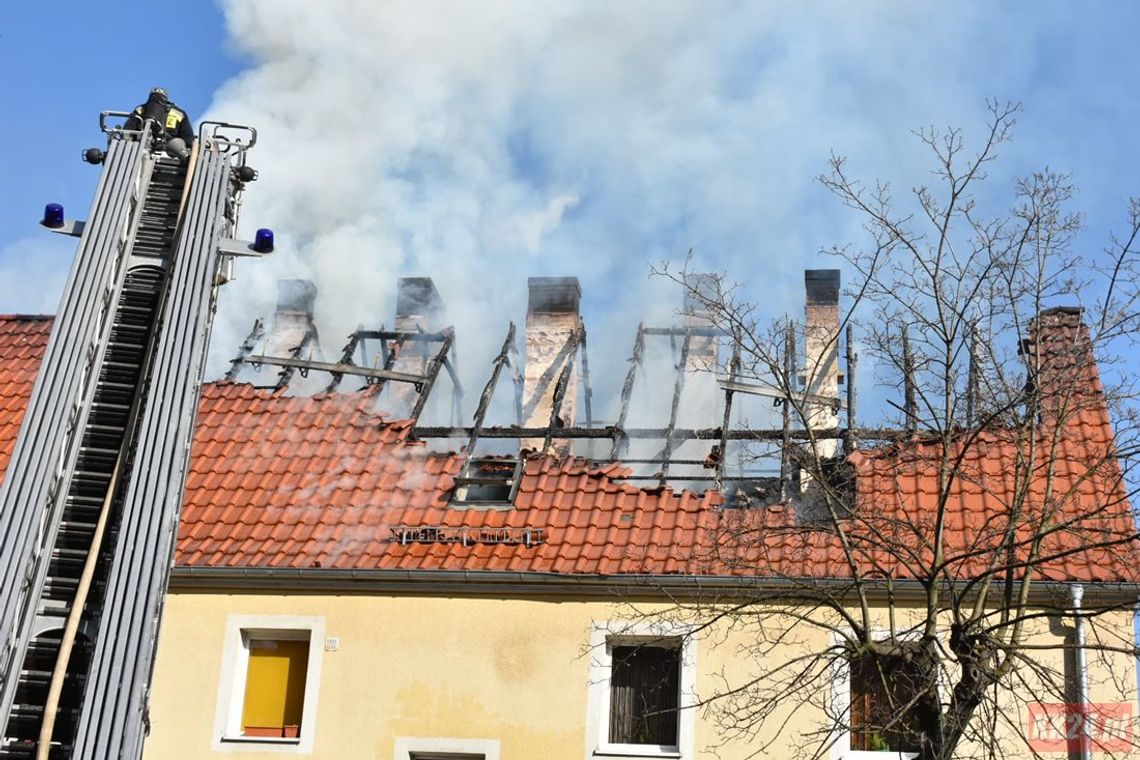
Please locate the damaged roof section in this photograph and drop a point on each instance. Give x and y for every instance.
(329, 481)
(287, 481)
(406, 361)
(688, 373)
(293, 482)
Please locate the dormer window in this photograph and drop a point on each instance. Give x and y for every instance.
(488, 481)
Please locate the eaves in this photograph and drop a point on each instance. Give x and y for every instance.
(191, 579)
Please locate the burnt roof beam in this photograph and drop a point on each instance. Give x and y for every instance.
(733, 371)
(679, 434)
(246, 348)
(678, 387)
(588, 392)
(679, 332)
(345, 358)
(456, 386)
(786, 413)
(489, 389)
(431, 375)
(570, 351)
(627, 391)
(415, 337)
(347, 369)
(517, 379)
(288, 369)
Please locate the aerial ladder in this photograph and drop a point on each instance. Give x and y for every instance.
(90, 499)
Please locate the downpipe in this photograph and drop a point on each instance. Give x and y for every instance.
(1076, 594)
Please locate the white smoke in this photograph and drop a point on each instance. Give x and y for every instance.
(481, 143)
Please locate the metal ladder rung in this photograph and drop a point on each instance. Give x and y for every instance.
(118, 369)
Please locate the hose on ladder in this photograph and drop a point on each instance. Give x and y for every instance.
(67, 643)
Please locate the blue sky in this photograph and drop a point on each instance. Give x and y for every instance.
(60, 65)
(484, 142)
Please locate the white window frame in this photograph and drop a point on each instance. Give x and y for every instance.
(605, 635)
(407, 747)
(841, 705)
(240, 629)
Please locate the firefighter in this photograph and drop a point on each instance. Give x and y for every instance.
(177, 134)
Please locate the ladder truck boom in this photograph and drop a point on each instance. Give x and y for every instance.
(90, 499)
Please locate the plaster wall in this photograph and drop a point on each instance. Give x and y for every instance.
(513, 671)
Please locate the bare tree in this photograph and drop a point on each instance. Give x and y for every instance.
(937, 564)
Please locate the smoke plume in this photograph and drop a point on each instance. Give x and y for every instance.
(481, 143)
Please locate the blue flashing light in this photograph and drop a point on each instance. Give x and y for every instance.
(263, 240)
(53, 216)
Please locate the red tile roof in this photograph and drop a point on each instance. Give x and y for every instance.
(285, 481)
(22, 342)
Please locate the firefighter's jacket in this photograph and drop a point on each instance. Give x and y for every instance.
(176, 122)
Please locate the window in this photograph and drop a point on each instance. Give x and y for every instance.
(642, 678)
(275, 687)
(881, 689)
(644, 693)
(267, 696)
(488, 481)
(875, 697)
(434, 748)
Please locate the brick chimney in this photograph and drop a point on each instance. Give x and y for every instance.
(293, 332)
(821, 353)
(419, 308)
(1063, 369)
(551, 322)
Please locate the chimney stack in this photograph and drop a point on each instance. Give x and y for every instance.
(1063, 368)
(293, 332)
(552, 322)
(418, 304)
(418, 308)
(821, 349)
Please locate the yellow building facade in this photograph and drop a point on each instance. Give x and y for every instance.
(426, 676)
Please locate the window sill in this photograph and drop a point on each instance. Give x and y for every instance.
(883, 754)
(622, 751)
(262, 740)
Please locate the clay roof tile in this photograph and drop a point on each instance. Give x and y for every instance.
(285, 481)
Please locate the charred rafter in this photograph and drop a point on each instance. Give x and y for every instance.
(287, 368)
(721, 452)
(345, 358)
(432, 373)
(391, 343)
(389, 351)
(678, 434)
(245, 349)
(557, 429)
(369, 373)
(627, 392)
(504, 358)
(587, 391)
(678, 386)
(573, 343)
